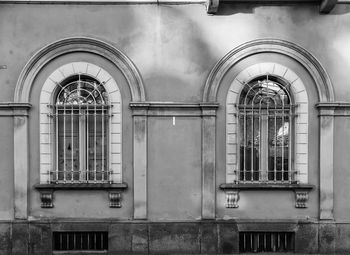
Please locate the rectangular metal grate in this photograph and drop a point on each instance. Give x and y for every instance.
(80, 241)
(255, 242)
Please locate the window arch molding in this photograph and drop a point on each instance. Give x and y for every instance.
(308, 61)
(325, 97)
(78, 44)
(22, 94)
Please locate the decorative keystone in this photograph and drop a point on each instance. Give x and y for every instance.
(301, 198)
(115, 199)
(46, 198)
(232, 198)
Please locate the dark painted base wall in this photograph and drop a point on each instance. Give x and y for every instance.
(200, 237)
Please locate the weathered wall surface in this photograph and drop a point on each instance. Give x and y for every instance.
(6, 168)
(174, 48)
(174, 169)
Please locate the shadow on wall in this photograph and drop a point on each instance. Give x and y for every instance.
(226, 9)
(182, 55)
(340, 9)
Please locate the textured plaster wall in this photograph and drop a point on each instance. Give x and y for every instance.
(174, 168)
(174, 48)
(6, 168)
(341, 169)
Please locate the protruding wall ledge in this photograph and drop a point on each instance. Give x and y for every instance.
(336, 109)
(232, 192)
(114, 191)
(14, 109)
(212, 6)
(173, 109)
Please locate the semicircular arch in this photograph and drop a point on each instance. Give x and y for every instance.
(307, 60)
(78, 44)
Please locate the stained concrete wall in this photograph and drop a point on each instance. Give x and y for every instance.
(174, 48)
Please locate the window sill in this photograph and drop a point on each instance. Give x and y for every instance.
(232, 192)
(114, 191)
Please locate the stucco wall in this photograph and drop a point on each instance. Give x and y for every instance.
(174, 48)
(6, 168)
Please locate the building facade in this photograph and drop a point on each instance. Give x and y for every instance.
(187, 127)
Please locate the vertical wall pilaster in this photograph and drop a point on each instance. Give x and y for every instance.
(140, 159)
(21, 161)
(326, 115)
(208, 159)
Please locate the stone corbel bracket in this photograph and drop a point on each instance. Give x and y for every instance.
(232, 198)
(114, 191)
(232, 192)
(301, 198)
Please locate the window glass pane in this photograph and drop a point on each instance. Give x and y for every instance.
(249, 149)
(264, 131)
(68, 145)
(82, 126)
(278, 148)
(97, 148)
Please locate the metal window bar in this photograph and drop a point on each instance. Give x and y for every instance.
(84, 101)
(80, 241)
(261, 242)
(268, 157)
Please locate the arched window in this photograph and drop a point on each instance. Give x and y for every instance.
(266, 117)
(80, 126)
(267, 126)
(81, 115)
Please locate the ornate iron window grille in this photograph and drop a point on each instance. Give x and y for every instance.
(266, 126)
(81, 118)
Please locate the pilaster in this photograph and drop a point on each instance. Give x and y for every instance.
(140, 158)
(208, 159)
(21, 159)
(326, 115)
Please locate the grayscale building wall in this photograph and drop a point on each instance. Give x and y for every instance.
(174, 65)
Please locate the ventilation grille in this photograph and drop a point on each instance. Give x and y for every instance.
(266, 242)
(80, 241)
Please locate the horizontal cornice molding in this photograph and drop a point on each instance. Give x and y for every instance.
(173, 109)
(337, 109)
(14, 109)
(334, 105)
(212, 6)
(12, 105)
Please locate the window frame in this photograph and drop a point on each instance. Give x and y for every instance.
(63, 118)
(245, 112)
(299, 95)
(47, 129)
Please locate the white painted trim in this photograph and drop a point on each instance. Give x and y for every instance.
(301, 120)
(46, 98)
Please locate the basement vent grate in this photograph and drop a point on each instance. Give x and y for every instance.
(255, 242)
(80, 241)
